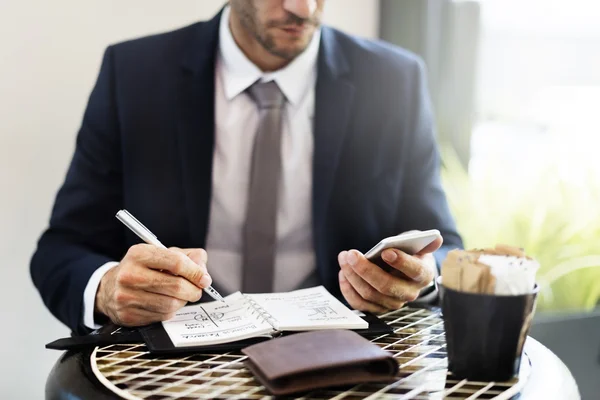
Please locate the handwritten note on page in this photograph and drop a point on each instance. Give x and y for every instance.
(216, 322)
(308, 309)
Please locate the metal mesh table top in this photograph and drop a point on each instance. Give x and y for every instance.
(418, 344)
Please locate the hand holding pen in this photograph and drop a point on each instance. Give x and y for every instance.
(151, 282)
(144, 233)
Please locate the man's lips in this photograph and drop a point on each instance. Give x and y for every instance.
(295, 30)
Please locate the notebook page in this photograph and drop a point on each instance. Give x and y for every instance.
(308, 309)
(215, 322)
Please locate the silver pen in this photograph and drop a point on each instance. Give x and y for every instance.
(144, 233)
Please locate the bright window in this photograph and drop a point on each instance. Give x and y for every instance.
(534, 175)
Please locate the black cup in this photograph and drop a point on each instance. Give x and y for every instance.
(485, 333)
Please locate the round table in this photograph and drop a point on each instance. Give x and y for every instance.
(417, 343)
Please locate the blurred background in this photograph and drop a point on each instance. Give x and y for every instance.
(516, 88)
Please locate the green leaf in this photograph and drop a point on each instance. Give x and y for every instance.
(555, 220)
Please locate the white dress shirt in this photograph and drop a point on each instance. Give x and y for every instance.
(236, 126)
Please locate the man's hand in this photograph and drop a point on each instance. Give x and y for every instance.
(150, 284)
(368, 287)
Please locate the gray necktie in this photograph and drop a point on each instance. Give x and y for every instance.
(260, 229)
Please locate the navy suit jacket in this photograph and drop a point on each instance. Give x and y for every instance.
(146, 144)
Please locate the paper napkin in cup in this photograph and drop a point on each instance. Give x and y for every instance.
(503, 270)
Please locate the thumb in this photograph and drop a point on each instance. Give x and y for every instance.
(199, 256)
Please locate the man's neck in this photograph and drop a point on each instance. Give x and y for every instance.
(255, 52)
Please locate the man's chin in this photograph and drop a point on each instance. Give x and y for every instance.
(287, 45)
(289, 50)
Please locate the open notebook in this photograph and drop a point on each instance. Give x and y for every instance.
(245, 316)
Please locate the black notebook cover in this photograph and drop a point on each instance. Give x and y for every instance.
(157, 340)
(104, 336)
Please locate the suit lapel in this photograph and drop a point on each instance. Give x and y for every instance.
(333, 100)
(196, 126)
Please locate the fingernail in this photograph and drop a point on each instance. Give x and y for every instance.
(206, 280)
(342, 258)
(351, 258)
(389, 256)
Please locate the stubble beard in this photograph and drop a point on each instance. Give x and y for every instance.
(248, 20)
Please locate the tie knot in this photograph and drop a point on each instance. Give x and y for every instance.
(267, 95)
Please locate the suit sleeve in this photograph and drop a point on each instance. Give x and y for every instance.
(83, 233)
(424, 205)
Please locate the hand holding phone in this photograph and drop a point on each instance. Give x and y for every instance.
(403, 278)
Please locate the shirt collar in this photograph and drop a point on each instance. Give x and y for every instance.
(239, 72)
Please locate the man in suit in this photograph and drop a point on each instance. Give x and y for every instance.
(272, 151)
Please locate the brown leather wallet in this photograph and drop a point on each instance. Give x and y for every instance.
(318, 359)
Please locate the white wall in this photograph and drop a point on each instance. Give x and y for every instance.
(50, 52)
